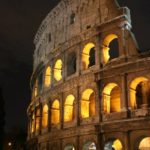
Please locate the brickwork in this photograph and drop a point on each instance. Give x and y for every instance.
(111, 93)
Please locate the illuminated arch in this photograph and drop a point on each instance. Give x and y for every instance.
(45, 116)
(111, 98)
(47, 80)
(37, 119)
(88, 103)
(113, 144)
(33, 123)
(145, 144)
(110, 39)
(58, 70)
(69, 147)
(139, 86)
(69, 108)
(35, 88)
(88, 56)
(55, 112)
(89, 146)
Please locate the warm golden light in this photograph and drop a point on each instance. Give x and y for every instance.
(133, 91)
(86, 55)
(88, 103)
(45, 116)
(111, 98)
(55, 112)
(48, 77)
(35, 88)
(37, 119)
(58, 70)
(106, 48)
(33, 124)
(145, 144)
(69, 108)
(117, 145)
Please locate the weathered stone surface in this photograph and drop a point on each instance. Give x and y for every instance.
(57, 38)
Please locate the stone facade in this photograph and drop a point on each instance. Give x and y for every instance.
(90, 83)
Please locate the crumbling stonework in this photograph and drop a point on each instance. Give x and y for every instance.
(90, 84)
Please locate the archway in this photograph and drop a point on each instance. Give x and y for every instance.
(45, 116)
(69, 108)
(88, 103)
(113, 145)
(47, 80)
(89, 145)
(88, 56)
(145, 144)
(111, 98)
(55, 112)
(110, 48)
(58, 70)
(139, 93)
(37, 119)
(71, 63)
(69, 147)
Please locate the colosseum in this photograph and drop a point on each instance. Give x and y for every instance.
(90, 82)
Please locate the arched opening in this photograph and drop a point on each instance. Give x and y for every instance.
(37, 119)
(72, 18)
(58, 70)
(33, 123)
(69, 108)
(40, 82)
(113, 145)
(71, 63)
(111, 98)
(145, 144)
(35, 91)
(88, 103)
(69, 147)
(47, 80)
(89, 146)
(55, 112)
(45, 116)
(88, 56)
(139, 93)
(110, 48)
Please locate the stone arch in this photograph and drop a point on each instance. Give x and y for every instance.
(111, 98)
(89, 145)
(69, 108)
(144, 144)
(58, 70)
(32, 123)
(88, 56)
(45, 116)
(88, 103)
(69, 147)
(47, 77)
(71, 63)
(113, 144)
(37, 119)
(55, 112)
(35, 90)
(110, 48)
(139, 92)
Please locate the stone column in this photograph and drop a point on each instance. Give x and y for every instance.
(123, 91)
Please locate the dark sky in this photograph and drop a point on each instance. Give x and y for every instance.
(19, 22)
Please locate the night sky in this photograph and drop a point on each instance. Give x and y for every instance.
(19, 22)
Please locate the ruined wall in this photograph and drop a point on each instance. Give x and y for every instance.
(57, 29)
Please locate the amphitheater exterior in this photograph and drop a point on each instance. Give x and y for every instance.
(90, 82)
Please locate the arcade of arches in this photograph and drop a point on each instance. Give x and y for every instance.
(110, 51)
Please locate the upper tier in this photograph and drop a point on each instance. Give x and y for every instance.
(71, 18)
